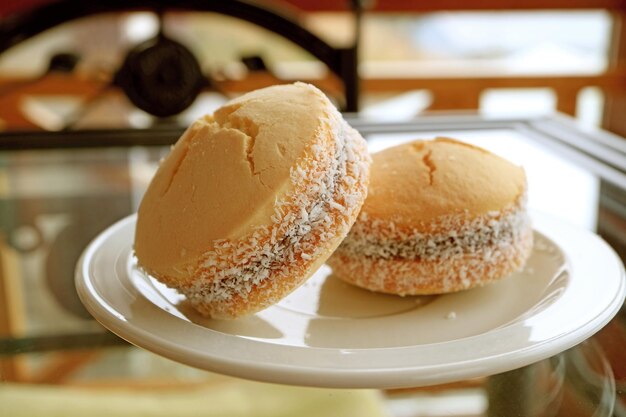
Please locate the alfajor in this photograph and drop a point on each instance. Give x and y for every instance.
(441, 216)
(252, 200)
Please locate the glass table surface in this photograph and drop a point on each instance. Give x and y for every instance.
(59, 190)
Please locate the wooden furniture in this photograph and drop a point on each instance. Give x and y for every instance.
(458, 92)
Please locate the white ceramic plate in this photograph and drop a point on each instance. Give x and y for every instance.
(330, 334)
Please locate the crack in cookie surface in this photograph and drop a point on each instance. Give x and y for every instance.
(329, 187)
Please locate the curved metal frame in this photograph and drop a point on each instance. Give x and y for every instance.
(342, 61)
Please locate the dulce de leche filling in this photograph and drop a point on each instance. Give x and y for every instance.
(460, 235)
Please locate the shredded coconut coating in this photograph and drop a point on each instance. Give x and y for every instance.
(465, 253)
(243, 276)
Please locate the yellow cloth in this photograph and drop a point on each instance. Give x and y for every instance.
(235, 398)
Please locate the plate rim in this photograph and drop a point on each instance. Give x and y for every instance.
(410, 375)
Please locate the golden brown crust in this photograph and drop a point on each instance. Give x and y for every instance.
(224, 175)
(252, 200)
(416, 183)
(291, 274)
(440, 216)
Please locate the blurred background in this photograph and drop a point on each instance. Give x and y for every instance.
(83, 85)
(388, 59)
